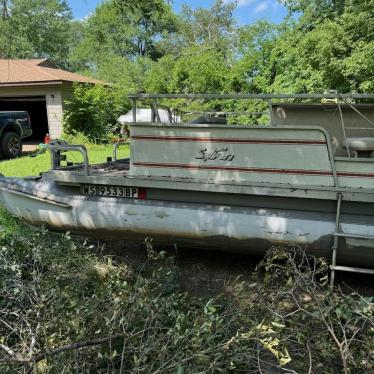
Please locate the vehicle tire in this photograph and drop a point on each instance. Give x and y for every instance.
(11, 145)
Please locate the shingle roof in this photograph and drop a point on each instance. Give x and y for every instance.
(18, 72)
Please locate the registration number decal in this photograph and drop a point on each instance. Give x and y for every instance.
(113, 191)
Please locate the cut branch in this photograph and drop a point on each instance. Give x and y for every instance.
(17, 358)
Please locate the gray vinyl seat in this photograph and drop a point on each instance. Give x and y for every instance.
(360, 147)
(360, 144)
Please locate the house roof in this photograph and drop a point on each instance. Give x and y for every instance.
(37, 72)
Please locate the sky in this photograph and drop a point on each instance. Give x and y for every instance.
(248, 11)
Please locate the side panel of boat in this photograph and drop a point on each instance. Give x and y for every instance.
(230, 228)
(39, 212)
(297, 156)
(355, 172)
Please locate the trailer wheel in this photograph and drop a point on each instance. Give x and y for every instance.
(11, 145)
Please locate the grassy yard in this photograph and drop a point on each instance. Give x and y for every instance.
(28, 166)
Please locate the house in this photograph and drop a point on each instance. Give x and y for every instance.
(40, 88)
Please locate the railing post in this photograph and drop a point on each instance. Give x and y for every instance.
(336, 241)
(115, 149)
(134, 110)
(272, 121)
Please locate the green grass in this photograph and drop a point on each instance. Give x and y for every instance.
(29, 166)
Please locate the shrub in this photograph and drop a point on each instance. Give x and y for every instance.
(93, 111)
(75, 137)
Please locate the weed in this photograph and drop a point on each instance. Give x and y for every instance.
(65, 307)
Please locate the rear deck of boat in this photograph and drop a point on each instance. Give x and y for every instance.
(119, 168)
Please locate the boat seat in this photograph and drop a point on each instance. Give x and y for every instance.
(360, 147)
(360, 144)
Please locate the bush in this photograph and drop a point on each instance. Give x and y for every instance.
(75, 137)
(93, 112)
(79, 138)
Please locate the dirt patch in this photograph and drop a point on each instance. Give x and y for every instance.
(29, 146)
(203, 272)
(208, 272)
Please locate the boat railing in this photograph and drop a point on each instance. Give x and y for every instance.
(116, 146)
(329, 97)
(56, 157)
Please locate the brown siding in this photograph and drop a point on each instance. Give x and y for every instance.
(66, 92)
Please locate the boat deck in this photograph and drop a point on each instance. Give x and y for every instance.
(113, 168)
(117, 168)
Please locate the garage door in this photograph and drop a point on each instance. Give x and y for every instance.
(37, 109)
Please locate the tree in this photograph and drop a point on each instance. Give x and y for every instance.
(35, 29)
(118, 28)
(121, 40)
(199, 55)
(317, 9)
(210, 28)
(329, 47)
(253, 69)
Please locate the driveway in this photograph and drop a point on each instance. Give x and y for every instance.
(30, 146)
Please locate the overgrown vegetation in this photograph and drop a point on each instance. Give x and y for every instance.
(65, 307)
(93, 112)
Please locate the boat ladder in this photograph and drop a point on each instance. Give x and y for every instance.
(339, 234)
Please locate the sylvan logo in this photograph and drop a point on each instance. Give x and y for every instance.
(219, 154)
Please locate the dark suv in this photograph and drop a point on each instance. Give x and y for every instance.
(14, 126)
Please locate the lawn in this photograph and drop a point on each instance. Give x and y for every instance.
(28, 166)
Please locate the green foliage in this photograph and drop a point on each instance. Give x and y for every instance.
(145, 46)
(329, 47)
(36, 29)
(79, 138)
(207, 73)
(126, 30)
(93, 111)
(55, 291)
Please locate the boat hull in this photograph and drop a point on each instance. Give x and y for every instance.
(224, 227)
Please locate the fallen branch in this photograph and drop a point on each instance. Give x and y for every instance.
(15, 357)
(19, 359)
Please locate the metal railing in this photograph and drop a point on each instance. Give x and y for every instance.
(115, 148)
(345, 98)
(56, 158)
(253, 96)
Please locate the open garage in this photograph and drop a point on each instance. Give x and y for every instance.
(36, 107)
(39, 88)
